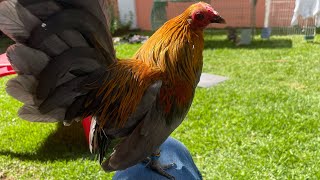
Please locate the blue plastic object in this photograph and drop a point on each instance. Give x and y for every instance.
(266, 33)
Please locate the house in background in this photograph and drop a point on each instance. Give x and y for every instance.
(149, 14)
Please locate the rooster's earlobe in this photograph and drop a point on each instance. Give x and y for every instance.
(189, 20)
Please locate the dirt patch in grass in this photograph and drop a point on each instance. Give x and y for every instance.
(4, 176)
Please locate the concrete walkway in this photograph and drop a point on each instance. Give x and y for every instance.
(209, 80)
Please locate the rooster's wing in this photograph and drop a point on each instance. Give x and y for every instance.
(61, 45)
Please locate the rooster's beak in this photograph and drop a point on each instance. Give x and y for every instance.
(218, 19)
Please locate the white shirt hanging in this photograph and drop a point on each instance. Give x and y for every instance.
(306, 9)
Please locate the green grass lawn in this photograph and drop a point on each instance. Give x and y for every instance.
(263, 123)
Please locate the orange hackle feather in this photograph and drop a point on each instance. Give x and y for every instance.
(176, 49)
(172, 54)
(130, 79)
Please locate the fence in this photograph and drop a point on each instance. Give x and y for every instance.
(273, 15)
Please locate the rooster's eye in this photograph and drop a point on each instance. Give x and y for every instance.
(199, 16)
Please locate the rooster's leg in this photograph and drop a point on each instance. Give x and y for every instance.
(154, 164)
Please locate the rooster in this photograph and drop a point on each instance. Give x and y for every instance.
(67, 70)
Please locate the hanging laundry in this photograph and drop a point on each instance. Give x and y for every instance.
(306, 9)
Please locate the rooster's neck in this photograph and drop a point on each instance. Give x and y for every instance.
(177, 50)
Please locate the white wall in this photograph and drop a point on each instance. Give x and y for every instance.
(127, 12)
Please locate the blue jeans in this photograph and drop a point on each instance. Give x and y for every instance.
(172, 151)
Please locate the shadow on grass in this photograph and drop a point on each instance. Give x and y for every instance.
(5, 42)
(66, 143)
(256, 44)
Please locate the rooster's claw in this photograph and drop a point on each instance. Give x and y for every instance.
(155, 165)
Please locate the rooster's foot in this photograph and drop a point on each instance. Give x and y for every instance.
(154, 164)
